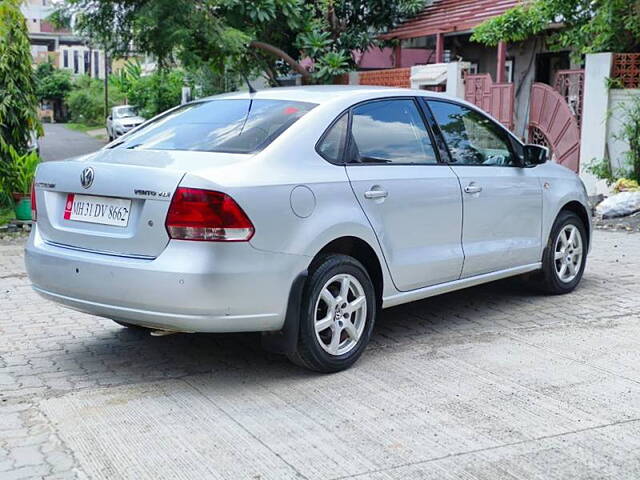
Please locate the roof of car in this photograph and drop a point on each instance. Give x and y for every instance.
(321, 93)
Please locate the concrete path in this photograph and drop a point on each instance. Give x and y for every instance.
(490, 383)
(59, 142)
(99, 133)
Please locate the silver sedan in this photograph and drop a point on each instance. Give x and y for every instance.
(121, 120)
(301, 213)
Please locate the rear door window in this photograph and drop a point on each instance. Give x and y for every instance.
(390, 131)
(232, 126)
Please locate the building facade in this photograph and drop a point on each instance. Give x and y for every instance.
(59, 46)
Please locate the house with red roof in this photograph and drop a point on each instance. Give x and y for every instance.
(540, 94)
(441, 33)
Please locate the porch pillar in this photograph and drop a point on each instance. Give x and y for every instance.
(440, 48)
(397, 53)
(502, 62)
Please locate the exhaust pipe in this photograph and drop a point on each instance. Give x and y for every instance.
(162, 333)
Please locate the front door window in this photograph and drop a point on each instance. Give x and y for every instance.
(472, 138)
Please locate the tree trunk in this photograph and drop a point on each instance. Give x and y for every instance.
(283, 55)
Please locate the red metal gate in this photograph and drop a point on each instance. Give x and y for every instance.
(553, 123)
(495, 98)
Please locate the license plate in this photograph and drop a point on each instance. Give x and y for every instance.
(102, 210)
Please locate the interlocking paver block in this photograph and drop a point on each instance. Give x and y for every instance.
(492, 382)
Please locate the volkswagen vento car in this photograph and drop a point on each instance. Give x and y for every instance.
(301, 213)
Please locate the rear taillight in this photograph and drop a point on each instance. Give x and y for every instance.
(204, 215)
(34, 210)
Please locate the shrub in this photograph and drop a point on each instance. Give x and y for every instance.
(630, 133)
(86, 100)
(17, 172)
(86, 107)
(52, 83)
(152, 94)
(155, 93)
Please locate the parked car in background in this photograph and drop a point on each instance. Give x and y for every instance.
(122, 119)
(300, 213)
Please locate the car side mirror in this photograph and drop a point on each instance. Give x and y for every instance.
(109, 118)
(535, 154)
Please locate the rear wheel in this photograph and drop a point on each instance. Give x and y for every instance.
(565, 255)
(337, 315)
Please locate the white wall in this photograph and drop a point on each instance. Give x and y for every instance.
(34, 11)
(437, 73)
(595, 111)
(603, 117)
(616, 146)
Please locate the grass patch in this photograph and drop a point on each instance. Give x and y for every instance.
(81, 127)
(6, 215)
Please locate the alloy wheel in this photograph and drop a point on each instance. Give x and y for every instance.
(568, 253)
(340, 314)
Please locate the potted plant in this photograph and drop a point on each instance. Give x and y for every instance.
(16, 176)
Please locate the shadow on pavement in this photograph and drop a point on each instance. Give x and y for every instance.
(120, 355)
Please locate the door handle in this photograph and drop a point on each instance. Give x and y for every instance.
(472, 188)
(371, 194)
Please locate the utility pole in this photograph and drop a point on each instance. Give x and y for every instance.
(106, 84)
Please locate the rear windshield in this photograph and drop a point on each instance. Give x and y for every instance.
(232, 126)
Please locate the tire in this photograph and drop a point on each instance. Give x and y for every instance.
(559, 253)
(348, 323)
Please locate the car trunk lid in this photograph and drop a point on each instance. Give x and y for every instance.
(147, 179)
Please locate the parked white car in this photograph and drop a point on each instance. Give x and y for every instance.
(121, 120)
(301, 213)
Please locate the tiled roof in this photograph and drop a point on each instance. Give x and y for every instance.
(450, 16)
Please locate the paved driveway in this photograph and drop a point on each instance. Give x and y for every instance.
(489, 383)
(59, 142)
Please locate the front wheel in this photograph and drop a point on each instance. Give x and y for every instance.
(565, 256)
(337, 315)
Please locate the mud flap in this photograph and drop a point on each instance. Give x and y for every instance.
(286, 340)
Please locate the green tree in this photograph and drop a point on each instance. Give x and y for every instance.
(18, 102)
(51, 83)
(236, 37)
(588, 26)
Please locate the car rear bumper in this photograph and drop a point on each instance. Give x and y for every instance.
(191, 286)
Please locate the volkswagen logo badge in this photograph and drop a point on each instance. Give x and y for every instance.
(86, 179)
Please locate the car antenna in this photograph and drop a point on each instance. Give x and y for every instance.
(251, 89)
